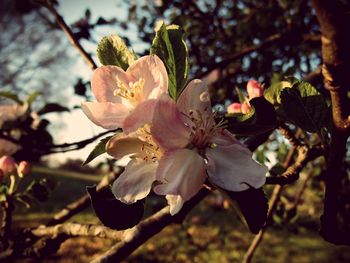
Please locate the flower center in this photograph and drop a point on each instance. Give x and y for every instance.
(203, 127)
(150, 151)
(133, 93)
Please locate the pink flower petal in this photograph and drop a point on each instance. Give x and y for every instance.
(175, 202)
(105, 114)
(234, 108)
(104, 83)
(195, 97)
(254, 89)
(153, 71)
(181, 172)
(167, 128)
(225, 138)
(232, 168)
(120, 145)
(246, 108)
(135, 182)
(141, 115)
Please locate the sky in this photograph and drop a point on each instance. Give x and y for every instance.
(76, 125)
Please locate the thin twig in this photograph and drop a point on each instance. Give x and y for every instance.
(65, 28)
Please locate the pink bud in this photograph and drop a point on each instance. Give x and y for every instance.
(23, 168)
(245, 108)
(7, 165)
(234, 108)
(255, 89)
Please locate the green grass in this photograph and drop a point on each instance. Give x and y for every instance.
(209, 233)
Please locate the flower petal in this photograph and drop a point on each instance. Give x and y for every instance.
(181, 172)
(232, 168)
(153, 71)
(175, 202)
(135, 182)
(167, 128)
(104, 83)
(105, 114)
(234, 108)
(120, 145)
(195, 97)
(254, 89)
(141, 115)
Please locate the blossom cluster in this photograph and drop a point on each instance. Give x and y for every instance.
(175, 147)
(254, 89)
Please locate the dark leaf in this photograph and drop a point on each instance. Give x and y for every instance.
(253, 205)
(52, 107)
(304, 106)
(113, 213)
(99, 149)
(260, 119)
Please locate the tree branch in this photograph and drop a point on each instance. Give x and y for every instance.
(332, 17)
(60, 21)
(139, 234)
(74, 229)
(268, 42)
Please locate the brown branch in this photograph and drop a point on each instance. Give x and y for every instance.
(65, 28)
(276, 194)
(275, 197)
(268, 42)
(304, 155)
(332, 17)
(6, 222)
(74, 229)
(139, 234)
(82, 203)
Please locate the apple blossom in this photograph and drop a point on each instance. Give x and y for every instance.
(122, 96)
(254, 89)
(196, 148)
(136, 181)
(7, 165)
(23, 168)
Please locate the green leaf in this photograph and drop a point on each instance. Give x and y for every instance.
(253, 205)
(11, 96)
(112, 212)
(241, 97)
(112, 51)
(170, 46)
(99, 149)
(32, 97)
(304, 106)
(273, 93)
(260, 119)
(52, 107)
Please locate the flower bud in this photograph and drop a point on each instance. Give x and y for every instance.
(255, 89)
(23, 168)
(7, 165)
(234, 108)
(246, 108)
